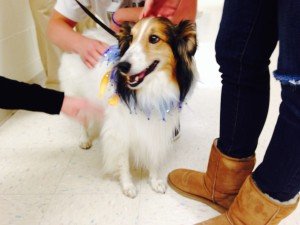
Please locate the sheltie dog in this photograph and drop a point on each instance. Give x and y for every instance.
(142, 94)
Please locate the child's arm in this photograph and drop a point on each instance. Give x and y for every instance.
(125, 15)
(60, 32)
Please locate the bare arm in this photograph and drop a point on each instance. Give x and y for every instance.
(175, 10)
(126, 15)
(60, 31)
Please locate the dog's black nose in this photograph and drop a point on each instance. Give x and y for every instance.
(124, 67)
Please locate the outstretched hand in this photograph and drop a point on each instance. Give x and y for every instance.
(81, 109)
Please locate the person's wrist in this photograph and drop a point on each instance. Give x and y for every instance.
(65, 108)
(115, 18)
(71, 105)
(77, 43)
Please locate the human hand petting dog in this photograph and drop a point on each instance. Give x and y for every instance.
(90, 51)
(81, 109)
(156, 8)
(174, 10)
(160, 8)
(60, 31)
(165, 8)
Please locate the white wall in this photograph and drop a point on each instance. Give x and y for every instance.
(208, 20)
(19, 57)
(209, 3)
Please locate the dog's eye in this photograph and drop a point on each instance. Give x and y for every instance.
(153, 39)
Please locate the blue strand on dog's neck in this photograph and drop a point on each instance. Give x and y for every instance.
(113, 76)
(163, 111)
(147, 112)
(164, 108)
(112, 54)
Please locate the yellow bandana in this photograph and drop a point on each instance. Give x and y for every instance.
(114, 100)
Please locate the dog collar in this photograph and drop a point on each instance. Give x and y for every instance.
(111, 55)
(104, 83)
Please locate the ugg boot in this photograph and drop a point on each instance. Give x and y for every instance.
(252, 207)
(219, 185)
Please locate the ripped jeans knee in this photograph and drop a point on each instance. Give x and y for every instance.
(287, 79)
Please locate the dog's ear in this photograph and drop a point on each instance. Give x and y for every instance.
(184, 48)
(186, 38)
(125, 38)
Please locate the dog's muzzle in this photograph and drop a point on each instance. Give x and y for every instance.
(134, 80)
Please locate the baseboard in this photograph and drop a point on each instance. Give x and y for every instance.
(5, 115)
(40, 79)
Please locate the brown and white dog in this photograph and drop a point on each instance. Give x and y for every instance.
(142, 101)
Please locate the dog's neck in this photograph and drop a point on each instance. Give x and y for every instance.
(159, 95)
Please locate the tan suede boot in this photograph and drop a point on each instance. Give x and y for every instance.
(252, 207)
(219, 185)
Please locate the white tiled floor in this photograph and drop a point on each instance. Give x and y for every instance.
(45, 179)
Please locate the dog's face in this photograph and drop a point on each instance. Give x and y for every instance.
(148, 53)
(152, 48)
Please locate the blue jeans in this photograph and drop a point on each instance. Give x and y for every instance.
(249, 32)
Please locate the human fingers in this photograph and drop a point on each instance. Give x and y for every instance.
(91, 61)
(101, 47)
(90, 66)
(164, 8)
(147, 9)
(90, 111)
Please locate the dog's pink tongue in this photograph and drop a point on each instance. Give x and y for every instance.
(137, 77)
(142, 74)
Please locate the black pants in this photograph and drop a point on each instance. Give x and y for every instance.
(248, 34)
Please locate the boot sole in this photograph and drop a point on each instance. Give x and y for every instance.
(211, 204)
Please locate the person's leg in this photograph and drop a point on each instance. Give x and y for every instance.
(50, 54)
(279, 173)
(247, 37)
(272, 192)
(246, 40)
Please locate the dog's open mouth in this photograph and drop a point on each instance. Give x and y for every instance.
(135, 80)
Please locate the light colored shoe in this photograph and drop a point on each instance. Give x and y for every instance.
(219, 185)
(252, 207)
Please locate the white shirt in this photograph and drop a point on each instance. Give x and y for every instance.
(102, 8)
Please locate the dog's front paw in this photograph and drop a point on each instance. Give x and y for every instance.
(130, 190)
(158, 186)
(85, 144)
